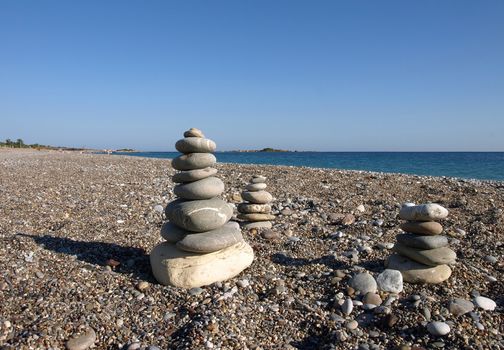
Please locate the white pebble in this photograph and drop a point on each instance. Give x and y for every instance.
(438, 328)
(485, 303)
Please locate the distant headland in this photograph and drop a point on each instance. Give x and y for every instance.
(267, 149)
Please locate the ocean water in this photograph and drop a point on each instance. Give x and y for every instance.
(469, 165)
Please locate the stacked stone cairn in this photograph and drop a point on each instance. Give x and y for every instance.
(202, 246)
(423, 255)
(256, 211)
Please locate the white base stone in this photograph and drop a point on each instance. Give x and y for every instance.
(175, 267)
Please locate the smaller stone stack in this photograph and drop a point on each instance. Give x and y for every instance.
(423, 255)
(256, 211)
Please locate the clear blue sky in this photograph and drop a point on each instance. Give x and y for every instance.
(306, 75)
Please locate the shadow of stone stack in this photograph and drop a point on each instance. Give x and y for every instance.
(202, 246)
(423, 255)
(256, 211)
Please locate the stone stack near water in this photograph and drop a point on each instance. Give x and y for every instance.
(423, 255)
(256, 211)
(202, 246)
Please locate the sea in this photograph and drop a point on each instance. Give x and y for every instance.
(468, 165)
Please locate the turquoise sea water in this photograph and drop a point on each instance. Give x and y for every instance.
(470, 165)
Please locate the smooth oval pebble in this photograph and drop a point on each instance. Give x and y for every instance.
(195, 145)
(460, 306)
(256, 217)
(202, 189)
(422, 242)
(423, 212)
(247, 208)
(193, 161)
(347, 306)
(212, 241)
(256, 187)
(172, 233)
(193, 175)
(259, 197)
(82, 341)
(258, 179)
(430, 228)
(258, 224)
(200, 215)
(438, 328)
(193, 132)
(414, 272)
(430, 257)
(485, 303)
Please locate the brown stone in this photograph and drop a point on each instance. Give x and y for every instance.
(430, 228)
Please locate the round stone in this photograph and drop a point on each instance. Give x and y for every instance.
(431, 257)
(430, 228)
(256, 187)
(247, 208)
(390, 281)
(195, 145)
(193, 175)
(212, 241)
(258, 179)
(485, 303)
(172, 233)
(423, 212)
(438, 328)
(175, 267)
(256, 217)
(193, 132)
(347, 306)
(82, 341)
(372, 298)
(257, 224)
(363, 283)
(459, 307)
(202, 189)
(199, 215)
(422, 242)
(414, 272)
(193, 161)
(259, 197)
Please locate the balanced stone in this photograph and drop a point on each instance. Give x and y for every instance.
(193, 161)
(422, 242)
(254, 208)
(414, 272)
(193, 132)
(199, 215)
(259, 197)
(258, 179)
(172, 233)
(423, 212)
(430, 228)
(211, 241)
(256, 187)
(193, 175)
(256, 217)
(172, 266)
(202, 189)
(195, 145)
(431, 257)
(257, 224)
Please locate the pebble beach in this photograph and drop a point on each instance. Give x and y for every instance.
(76, 231)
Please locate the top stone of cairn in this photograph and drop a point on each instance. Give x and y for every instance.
(193, 132)
(423, 212)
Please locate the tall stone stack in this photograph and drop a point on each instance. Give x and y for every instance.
(256, 211)
(202, 246)
(423, 255)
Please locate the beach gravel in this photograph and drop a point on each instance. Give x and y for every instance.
(76, 231)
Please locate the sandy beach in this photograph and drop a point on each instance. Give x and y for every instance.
(76, 231)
